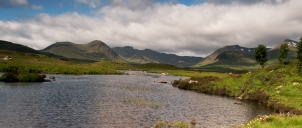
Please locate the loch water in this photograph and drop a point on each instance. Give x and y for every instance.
(116, 101)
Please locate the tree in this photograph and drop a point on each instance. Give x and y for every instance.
(284, 50)
(261, 55)
(299, 55)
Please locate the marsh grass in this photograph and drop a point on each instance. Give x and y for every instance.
(142, 103)
(171, 124)
(140, 88)
(16, 76)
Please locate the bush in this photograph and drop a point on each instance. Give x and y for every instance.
(9, 77)
(21, 77)
(181, 125)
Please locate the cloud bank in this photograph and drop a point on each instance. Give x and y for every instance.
(172, 28)
(19, 3)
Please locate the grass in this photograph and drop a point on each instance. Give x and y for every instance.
(141, 103)
(279, 86)
(40, 63)
(169, 124)
(21, 77)
(275, 121)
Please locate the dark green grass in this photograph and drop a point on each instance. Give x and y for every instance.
(37, 63)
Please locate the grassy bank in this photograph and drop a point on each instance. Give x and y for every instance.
(22, 77)
(36, 63)
(275, 121)
(278, 86)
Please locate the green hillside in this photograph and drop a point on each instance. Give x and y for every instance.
(41, 63)
(236, 48)
(5, 45)
(93, 51)
(239, 59)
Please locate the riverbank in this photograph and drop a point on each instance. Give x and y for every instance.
(278, 86)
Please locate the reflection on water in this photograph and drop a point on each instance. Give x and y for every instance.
(115, 101)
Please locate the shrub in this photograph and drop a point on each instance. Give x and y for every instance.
(21, 77)
(261, 55)
(181, 124)
(284, 50)
(160, 124)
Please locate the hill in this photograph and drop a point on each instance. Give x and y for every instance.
(240, 59)
(93, 51)
(149, 56)
(5, 45)
(236, 48)
(36, 63)
(292, 45)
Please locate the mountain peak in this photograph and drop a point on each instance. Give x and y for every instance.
(96, 42)
(291, 44)
(92, 51)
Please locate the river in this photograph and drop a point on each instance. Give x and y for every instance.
(110, 101)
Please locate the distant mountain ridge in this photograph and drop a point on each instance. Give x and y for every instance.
(5, 45)
(233, 56)
(212, 58)
(237, 57)
(93, 51)
(149, 56)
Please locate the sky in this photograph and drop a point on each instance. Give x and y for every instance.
(182, 27)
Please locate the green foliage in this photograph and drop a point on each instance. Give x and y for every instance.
(169, 124)
(21, 77)
(284, 50)
(181, 124)
(9, 77)
(261, 55)
(299, 55)
(160, 124)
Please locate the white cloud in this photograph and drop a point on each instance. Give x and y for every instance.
(36, 7)
(90, 3)
(171, 28)
(19, 3)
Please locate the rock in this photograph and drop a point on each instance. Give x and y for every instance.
(164, 74)
(239, 98)
(238, 103)
(127, 73)
(192, 81)
(193, 122)
(278, 87)
(295, 83)
(42, 75)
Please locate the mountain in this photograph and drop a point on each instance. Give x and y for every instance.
(292, 45)
(240, 58)
(9, 46)
(212, 58)
(149, 56)
(93, 51)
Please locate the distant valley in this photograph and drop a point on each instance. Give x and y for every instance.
(132, 55)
